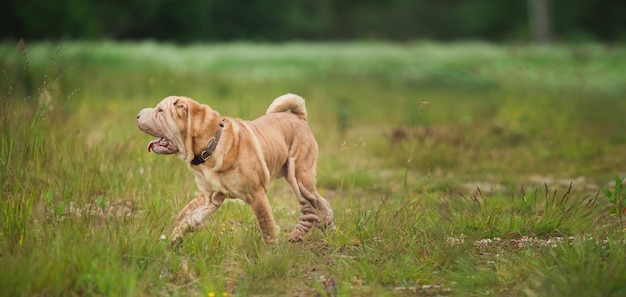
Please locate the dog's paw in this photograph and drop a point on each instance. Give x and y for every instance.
(176, 242)
(270, 241)
(296, 236)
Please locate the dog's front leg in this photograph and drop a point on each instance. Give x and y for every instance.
(193, 215)
(261, 207)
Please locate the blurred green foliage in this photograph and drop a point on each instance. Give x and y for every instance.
(276, 20)
(454, 169)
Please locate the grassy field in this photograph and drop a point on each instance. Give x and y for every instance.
(462, 169)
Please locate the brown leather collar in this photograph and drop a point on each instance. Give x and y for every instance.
(206, 153)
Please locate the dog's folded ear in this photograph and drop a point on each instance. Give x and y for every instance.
(181, 107)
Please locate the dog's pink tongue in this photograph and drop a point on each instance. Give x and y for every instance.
(153, 143)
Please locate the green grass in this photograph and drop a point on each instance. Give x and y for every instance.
(462, 169)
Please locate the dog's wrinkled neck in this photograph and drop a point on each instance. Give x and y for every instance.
(210, 148)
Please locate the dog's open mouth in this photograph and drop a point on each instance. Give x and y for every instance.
(162, 145)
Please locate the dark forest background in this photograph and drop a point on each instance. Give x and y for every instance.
(279, 20)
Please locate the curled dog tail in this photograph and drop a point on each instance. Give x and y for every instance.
(289, 102)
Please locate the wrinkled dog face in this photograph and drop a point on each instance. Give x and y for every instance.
(166, 122)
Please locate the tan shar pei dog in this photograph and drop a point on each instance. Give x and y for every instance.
(233, 158)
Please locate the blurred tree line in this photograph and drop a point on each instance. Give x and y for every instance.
(276, 20)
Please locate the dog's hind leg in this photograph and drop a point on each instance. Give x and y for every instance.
(195, 213)
(315, 210)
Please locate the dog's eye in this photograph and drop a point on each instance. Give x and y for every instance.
(159, 109)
